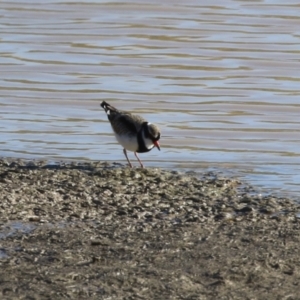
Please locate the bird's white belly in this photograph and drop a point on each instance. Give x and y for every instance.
(129, 142)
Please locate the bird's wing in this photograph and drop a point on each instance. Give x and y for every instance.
(126, 123)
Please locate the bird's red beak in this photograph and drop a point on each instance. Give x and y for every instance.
(156, 144)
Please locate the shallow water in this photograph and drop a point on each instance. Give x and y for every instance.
(13, 228)
(221, 80)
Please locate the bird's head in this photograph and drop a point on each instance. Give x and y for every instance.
(154, 134)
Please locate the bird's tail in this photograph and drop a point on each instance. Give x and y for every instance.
(107, 107)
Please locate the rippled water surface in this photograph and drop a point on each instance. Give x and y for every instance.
(221, 79)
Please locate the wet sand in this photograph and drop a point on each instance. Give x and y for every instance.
(104, 231)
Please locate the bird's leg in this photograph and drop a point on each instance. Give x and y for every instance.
(125, 153)
(142, 166)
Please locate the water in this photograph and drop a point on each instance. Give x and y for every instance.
(13, 228)
(220, 79)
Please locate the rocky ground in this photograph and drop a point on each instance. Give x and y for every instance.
(104, 231)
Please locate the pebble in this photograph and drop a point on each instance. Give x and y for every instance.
(103, 191)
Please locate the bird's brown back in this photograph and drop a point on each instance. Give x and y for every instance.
(123, 122)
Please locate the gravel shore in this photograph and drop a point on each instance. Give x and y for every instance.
(104, 231)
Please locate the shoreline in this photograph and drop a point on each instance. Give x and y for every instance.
(225, 170)
(101, 230)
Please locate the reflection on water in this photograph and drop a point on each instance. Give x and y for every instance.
(221, 80)
(14, 228)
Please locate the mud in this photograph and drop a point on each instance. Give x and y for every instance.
(104, 231)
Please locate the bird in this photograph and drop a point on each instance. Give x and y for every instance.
(132, 131)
